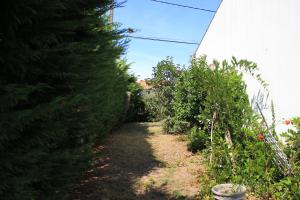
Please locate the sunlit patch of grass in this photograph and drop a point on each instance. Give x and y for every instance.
(149, 184)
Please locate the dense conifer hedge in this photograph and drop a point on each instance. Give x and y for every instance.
(60, 88)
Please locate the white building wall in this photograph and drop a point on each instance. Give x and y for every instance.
(268, 33)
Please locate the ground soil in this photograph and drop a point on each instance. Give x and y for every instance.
(139, 161)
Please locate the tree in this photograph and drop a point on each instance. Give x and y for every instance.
(165, 74)
(60, 89)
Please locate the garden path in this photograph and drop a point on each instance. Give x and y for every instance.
(139, 161)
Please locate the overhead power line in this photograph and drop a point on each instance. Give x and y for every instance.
(185, 6)
(162, 40)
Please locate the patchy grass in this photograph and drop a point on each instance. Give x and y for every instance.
(181, 170)
(139, 161)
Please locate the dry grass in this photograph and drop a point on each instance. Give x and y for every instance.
(180, 174)
(139, 161)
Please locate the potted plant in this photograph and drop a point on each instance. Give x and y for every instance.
(229, 191)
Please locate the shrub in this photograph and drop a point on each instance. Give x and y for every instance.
(288, 187)
(201, 92)
(190, 93)
(172, 125)
(60, 89)
(292, 138)
(136, 105)
(165, 74)
(212, 100)
(153, 110)
(198, 139)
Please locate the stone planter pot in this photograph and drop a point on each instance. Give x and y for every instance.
(229, 191)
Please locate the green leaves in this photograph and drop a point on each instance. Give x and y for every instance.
(195, 94)
(198, 139)
(165, 75)
(61, 88)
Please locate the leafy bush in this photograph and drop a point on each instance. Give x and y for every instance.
(136, 105)
(190, 93)
(163, 82)
(292, 138)
(289, 187)
(212, 101)
(236, 154)
(172, 125)
(153, 110)
(198, 139)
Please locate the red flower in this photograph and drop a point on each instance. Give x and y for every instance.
(287, 122)
(260, 137)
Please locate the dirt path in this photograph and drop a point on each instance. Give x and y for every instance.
(140, 162)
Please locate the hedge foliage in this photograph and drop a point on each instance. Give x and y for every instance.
(61, 87)
(159, 104)
(209, 103)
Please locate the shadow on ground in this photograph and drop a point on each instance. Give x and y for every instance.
(124, 157)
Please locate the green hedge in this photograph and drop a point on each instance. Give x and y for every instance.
(60, 88)
(209, 102)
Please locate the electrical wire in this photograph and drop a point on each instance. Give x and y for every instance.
(162, 40)
(185, 6)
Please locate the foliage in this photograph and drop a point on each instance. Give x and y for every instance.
(197, 139)
(152, 108)
(289, 187)
(190, 93)
(61, 88)
(211, 104)
(165, 74)
(214, 99)
(292, 138)
(236, 155)
(136, 105)
(171, 125)
(200, 92)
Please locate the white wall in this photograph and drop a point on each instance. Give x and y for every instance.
(268, 33)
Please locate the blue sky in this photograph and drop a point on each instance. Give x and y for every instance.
(163, 21)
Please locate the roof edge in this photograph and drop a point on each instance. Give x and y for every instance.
(208, 27)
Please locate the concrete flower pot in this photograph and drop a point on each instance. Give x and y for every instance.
(229, 191)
